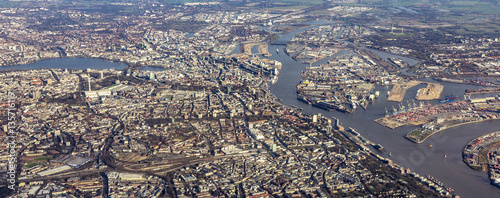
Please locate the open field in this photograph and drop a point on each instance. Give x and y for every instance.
(264, 50)
(282, 5)
(478, 28)
(389, 123)
(247, 48)
(473, 6)
(431, 92)
(31, 165)
(309, 2)
(398, 91)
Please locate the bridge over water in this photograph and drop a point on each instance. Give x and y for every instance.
(279, 43)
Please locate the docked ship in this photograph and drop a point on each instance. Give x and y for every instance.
(378, 146)
(399, 62)
(496, 182)
(448, 98)
(303, 99)
(324, 105)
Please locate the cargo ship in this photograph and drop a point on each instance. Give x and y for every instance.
(303, 99)
(331, 107)
(324, 105)
(447, 98)
(399, 62)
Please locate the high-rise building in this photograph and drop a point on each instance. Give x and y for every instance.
(89, 83)
(37, 95)
(152, 76)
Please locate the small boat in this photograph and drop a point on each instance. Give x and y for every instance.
(445, 155)
(277, 51)
(390, 154)
(378, 147)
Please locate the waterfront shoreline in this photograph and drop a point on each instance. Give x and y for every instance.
(465, 147)
(456, 125)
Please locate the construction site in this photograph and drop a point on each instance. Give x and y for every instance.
(263, 49)
(431, 92)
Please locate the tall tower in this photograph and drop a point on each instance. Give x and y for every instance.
(89, 83)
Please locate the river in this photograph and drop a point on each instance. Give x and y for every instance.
(420, 158)
(69, 63)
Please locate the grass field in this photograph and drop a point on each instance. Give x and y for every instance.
(179, 1)
(298, 7)
(473, 6)
(479, 28)
(31, 165)
(310, 2)
(396, 33)
(415, 132)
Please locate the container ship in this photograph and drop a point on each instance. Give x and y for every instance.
(448, 98)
